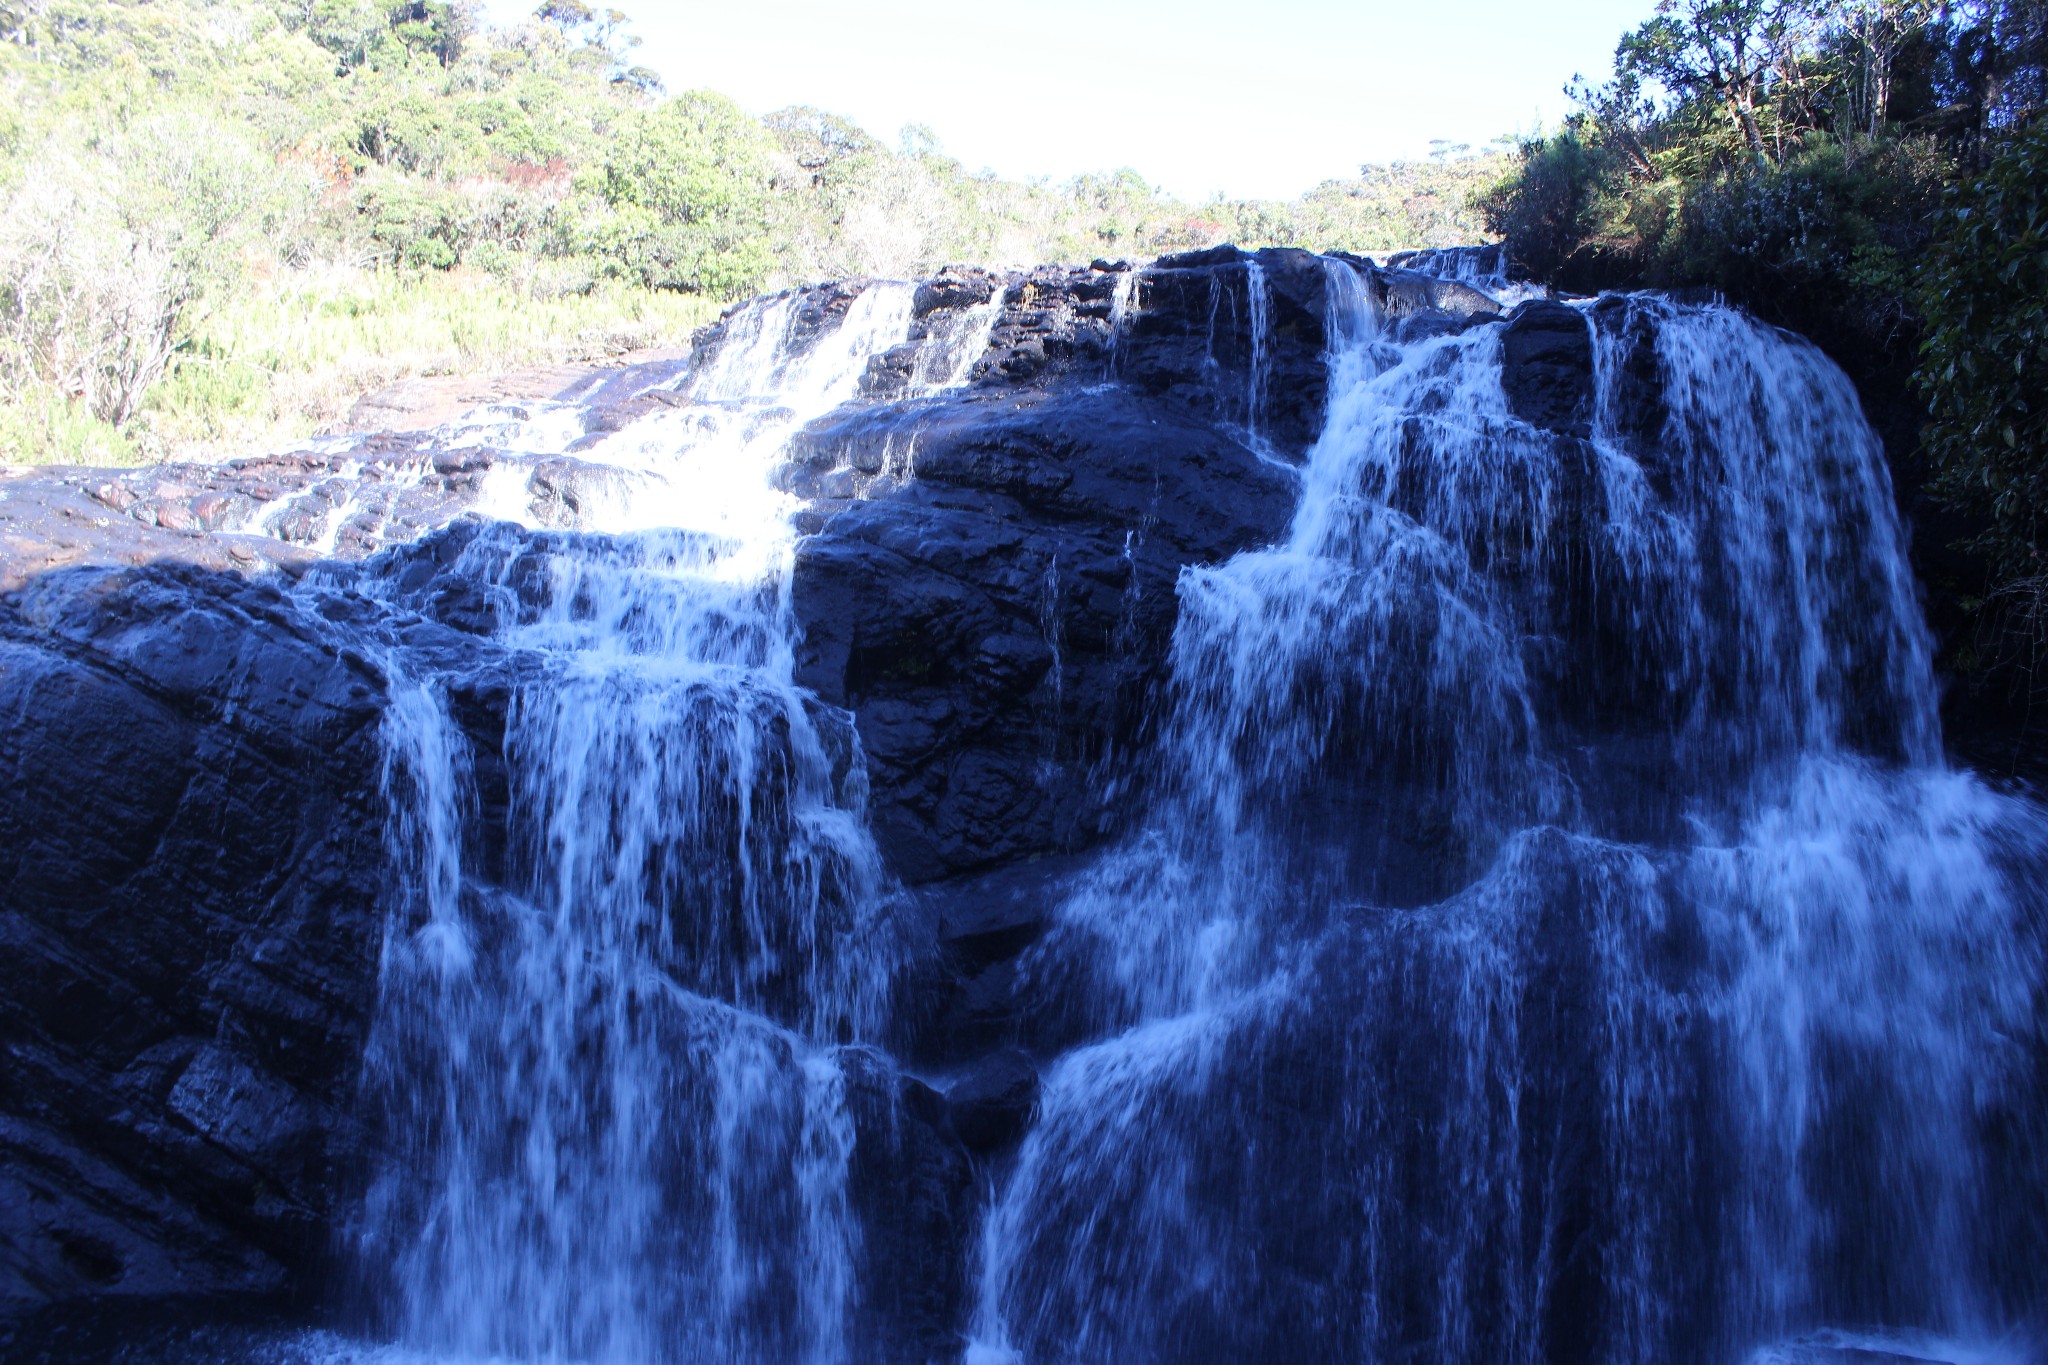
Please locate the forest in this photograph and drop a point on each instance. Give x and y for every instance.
(226, 219)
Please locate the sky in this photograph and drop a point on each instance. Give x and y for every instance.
(1199, 96)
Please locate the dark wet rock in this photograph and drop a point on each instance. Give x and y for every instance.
(912, 1185)
(954, 289)
(998, 621)
(1636, 394)
(980, 1010)
(191, 857)
(179, 1330)
(970, 994)
(1547, 367)
(1424, 305)
(994, 1103)
(985, 919)
(1188, 339)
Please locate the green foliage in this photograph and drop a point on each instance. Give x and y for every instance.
(288, 356)
(1831, 228)
(1750, 146)
(1755, 145)
(45, 427)
(350, 29)
(1984, 365)
(1714, 57)
(1794, 155)
(166, 165)
(1556, 202)
(687, 183)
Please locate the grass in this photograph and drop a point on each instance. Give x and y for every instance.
(284, 359)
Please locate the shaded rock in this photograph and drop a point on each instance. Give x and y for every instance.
(994, 1103)
(912, 1185)
(1636, 396)
(189, 839)
(1547, 367)
(998, 620)
(953, 288)
(1189, 339)
(985, 919)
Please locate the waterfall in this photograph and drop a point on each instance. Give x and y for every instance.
(1245, 335)
(1554, 935)
(629, 944)
(1546, 929)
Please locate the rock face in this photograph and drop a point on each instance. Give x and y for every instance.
(188, 845)
(190, 819)
(1547, 368)
(997, 619)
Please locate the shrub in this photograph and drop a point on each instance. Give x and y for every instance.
(88, 307)
(1984, 363)
(687, 183)
(1552, 207)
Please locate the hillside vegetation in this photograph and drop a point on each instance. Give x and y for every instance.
(222, 220)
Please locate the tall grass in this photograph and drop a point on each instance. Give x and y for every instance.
(286, 357)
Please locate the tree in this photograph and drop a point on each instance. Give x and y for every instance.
(435, 28)
(1724, 54)
(1877, 32)
(1552, 204)
(350, 29)
(688, 182)
(1984, 363)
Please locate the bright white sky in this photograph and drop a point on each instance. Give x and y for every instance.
(1198, 95)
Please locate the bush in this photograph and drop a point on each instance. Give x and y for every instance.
(1552, 207)
(687, 183)
(1825, 237)
(413, 223)
(1984, 363)
(48, 428)
(88, 309)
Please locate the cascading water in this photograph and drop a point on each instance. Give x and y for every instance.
(1555, 936)
(608, 1055)
(1258, 373)
(1551, 934)
(1246, 405)
(948, 363)
(1485, 268)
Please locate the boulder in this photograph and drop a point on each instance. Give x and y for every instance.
(912, 1186)
(1547, 367)
(998, 620)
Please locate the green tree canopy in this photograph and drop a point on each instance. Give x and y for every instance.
(689, 181)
